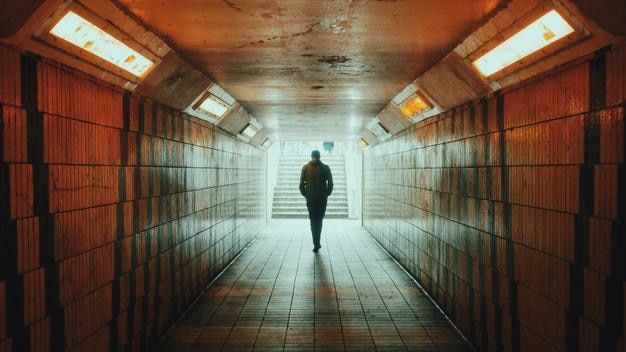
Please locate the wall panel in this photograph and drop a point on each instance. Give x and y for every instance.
(510, 210)
(114, 211)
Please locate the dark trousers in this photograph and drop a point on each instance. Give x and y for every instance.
(317, 210)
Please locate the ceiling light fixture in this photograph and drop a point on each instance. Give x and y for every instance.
(415, 106)
(212, 105)
(266, 143)
(220, 93)
(378, 130)
(363, 143)
(544, 31)
(249, 131)
(89, 37)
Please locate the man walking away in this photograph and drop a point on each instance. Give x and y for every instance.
(316, 184)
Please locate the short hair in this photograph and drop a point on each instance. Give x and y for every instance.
(315, 154)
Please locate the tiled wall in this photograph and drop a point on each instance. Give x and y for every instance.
(115, 212)
(510, 210)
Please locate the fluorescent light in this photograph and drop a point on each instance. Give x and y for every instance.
(213, 105)
(415, 106)
(266, 143)
(363, 143)
(544, 31)
(404, 94)
(249, 131)
(221, 94)
(89, 37)
(380, 131)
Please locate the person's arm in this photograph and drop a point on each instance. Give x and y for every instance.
(329, 180)
(302, 187)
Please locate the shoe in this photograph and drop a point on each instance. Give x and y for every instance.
(316, 249)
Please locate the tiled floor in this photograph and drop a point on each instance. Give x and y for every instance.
(279, 295)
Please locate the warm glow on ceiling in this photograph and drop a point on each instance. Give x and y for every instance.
(89, 37)
(212, 105)
(544, 31)
(415, 106)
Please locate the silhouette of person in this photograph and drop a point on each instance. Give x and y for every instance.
(328, 147)
(316, 184)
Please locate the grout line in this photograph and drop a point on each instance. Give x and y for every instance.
(425, 292)
(376, 287)
(253, 285)
(358, 295)
(332, 273)
(293, 291)
(269, 301)
(200, 294)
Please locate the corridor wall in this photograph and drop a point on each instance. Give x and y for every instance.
(510, 210)
(115, 211)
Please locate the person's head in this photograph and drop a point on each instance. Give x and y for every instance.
(315, 155)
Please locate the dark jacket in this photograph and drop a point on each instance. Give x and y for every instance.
(316, 181)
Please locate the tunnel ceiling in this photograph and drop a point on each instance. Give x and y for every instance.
(312, 69)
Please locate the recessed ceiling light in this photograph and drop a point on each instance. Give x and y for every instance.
(87, 36)
(379, 130)
(212, 105)
(415, 106)
(222, 94)
(266, 143)
(544, 31)
(249, 131)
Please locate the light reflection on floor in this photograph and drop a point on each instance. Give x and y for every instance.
(279, 296)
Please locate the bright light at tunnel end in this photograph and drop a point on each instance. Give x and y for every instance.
(544, 31)
(89, 37)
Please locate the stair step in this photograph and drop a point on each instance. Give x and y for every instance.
(295, 191)
(298, 171)
(299, 216)
(307, 159)
(305, 210)
(300, 165)
(301, 203)
(297, 176)
(296, 185)
(291, 192)
(297, 179)
(287, 200)
(297, 196)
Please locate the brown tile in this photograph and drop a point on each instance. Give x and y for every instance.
(350, 297)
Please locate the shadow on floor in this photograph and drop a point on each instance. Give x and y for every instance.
(279, 296)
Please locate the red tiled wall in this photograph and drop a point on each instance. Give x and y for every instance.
(115, 211)
(510, 210)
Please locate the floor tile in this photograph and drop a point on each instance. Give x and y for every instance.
(278, 296)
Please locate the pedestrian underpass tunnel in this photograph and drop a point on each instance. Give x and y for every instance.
(151, 153)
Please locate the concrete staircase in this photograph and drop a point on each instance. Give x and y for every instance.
(287, 201)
